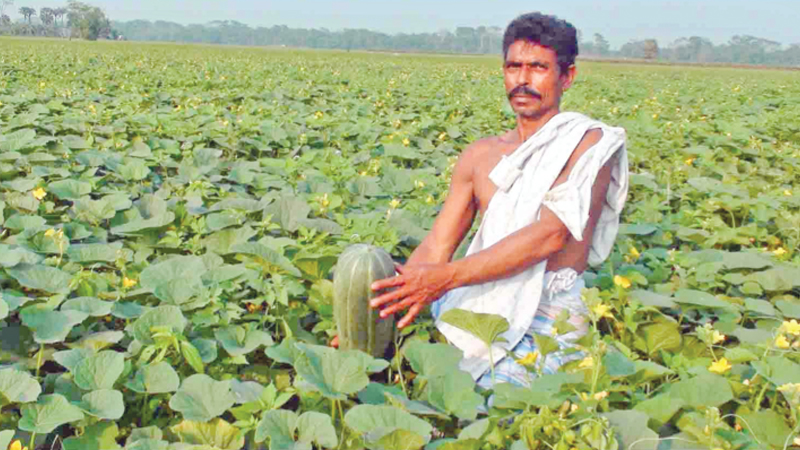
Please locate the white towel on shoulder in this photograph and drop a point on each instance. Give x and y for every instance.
(524, 180)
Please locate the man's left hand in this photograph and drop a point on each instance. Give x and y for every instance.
(416, 286)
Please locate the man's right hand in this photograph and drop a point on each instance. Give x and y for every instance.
(334, 342)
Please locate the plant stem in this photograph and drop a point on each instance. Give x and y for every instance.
(491, 363)
(333, 411)
(760, 396)
(33, 440)
(400, 368)
(39, 360)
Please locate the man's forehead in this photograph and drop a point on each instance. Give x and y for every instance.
(529, 50)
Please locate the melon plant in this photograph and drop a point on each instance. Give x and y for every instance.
(358, 325)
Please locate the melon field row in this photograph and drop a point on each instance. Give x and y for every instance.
(171, 216)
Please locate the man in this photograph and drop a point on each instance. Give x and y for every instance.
(536, 238)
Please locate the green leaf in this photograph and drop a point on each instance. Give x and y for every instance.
(744, 260)
(96, 252)
(240, 340)
(192, 356)
(103, 404)
(704, 390)
(158, 378)
(632, 431)
(6, 437)
(660, 336)
(47, 414)
(175, 268)
(201, 398)
(17, 140)
(267, 255)
(432, 359)
(69, 189)
(777, 369)
(317, 428)
(99, 371)
(169, 316)
(379, 421)
(335, 373)
(486, 327)
(18, 387)
(98, 341)
(661, 408)
(43, 278)
(100, 436)
(543, 390)
(71, 358)
(454, 393)
(279, 426)
(217, 433)
(700, 298)
(788, 309)
(49, 326)
(397, 440)
(286, 352)
(88, 305)
(738, 355)
(648, 298)
(768, 426)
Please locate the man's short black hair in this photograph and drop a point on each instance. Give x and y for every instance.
(548, 31)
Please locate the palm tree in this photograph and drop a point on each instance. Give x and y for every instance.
(60, 13)
(27, 13)
(47, 15)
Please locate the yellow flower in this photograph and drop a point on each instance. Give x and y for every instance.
(720, 366)
(781, 342)
(717, 337)
(39, 193)
(442, 136)
(797, 441)
(601, 310)
(17, 445)
(419, 184)
(529, 359)
(780, 251)
(689, 161)
(601, 395)
(787, 193)
(395, 203)
(128, 283)
(429, 200)
(792, 327)
(406, 142)
(318, 114)
(622, 281)
(586, 362)
(635, 253)
(50, 233)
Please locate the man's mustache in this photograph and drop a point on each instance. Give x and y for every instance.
(524, 90)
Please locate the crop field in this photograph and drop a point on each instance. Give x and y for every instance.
(170, 216)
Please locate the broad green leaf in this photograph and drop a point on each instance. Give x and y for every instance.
(6, 437)
(699, 298)
(98, 341)
(104, 404)
(17, 140)
(169, 316)
(240, 340)
(25, 222)
(661, 408)
(335, 373)
(286, 352)
(267, 255)
(201, 398)
(99, 371)
(158, 378)
(789, 309)
(93, 211)
(660, 336)
(744, 260)
(618, 365)
(71, 358)
(454, 393)
(192, 356)
(632, 431)
(395, 440)
(216, 433)
(761, 307)
(704, 390)
(43, 278)
(648, 298)
(207, 348)
(96, 252)
(100, 436)
(317, 428)
(279, 426)
(18, 387)
(543, 390)
(486, 327)
(778, 370)
(175, 268)
(47, 414)
(738, 355)
(381, 420)
(4, 309)
(50, 326)
(88, 305)
(69, 189)
(432, 359)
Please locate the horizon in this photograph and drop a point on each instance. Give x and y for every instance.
(662, 20)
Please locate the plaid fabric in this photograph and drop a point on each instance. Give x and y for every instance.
(556, 296)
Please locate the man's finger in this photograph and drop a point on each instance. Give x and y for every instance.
(387, 283)
(399, 268)
(397, 307)
(410, 316)
(388, 297)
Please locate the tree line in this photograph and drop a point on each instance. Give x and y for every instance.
(75, 20)
(84, 21)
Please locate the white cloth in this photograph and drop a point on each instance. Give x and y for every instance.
(524, 180)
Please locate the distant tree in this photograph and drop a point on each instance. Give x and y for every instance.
(5, 4)
(60, 13)
(88, 22)
(27, 12)
(601, 45)
(650, 49)
(47, 15)
(5, 20)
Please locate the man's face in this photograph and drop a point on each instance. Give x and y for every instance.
(533, 80)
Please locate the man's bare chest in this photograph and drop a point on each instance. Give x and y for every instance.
(483, 187)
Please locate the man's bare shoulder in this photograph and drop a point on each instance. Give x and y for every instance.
(488, 145)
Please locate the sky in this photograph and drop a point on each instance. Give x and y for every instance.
(618, 20)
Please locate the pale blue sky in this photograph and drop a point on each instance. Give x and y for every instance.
(618, 20)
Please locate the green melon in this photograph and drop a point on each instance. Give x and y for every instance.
(358, 325)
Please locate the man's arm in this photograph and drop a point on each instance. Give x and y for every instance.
(455, 218)
(418, 286)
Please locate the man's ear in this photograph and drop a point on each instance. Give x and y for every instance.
(568, 77)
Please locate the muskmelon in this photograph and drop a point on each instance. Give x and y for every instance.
(358, 325)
